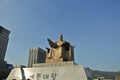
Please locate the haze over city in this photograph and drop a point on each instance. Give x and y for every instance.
(93, 27)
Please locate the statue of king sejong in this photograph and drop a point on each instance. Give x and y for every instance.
(60, 51)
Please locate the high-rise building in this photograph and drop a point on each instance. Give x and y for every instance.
(36, 55)
(4, 37)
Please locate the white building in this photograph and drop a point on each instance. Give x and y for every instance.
(36, 55)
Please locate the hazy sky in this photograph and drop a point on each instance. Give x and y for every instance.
(93, 26)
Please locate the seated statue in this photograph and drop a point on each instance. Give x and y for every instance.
(60, 51)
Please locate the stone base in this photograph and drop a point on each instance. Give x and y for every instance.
(54, 60)
(69, 72)
(57, 64)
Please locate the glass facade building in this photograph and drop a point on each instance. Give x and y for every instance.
(4, 37)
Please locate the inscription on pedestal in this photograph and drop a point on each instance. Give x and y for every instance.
(45, 76)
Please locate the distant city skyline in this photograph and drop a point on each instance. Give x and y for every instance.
(93, 27)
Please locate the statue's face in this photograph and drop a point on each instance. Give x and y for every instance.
(60, 37)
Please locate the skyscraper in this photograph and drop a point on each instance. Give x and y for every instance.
(36, 55)
(4, 37)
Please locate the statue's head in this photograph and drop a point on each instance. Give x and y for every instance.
(60, 37)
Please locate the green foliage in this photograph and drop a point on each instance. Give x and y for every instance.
(4, 74)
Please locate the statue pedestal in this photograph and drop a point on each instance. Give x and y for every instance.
(50, 71)
(54, 60)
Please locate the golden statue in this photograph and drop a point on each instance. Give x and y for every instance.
(60, 51)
